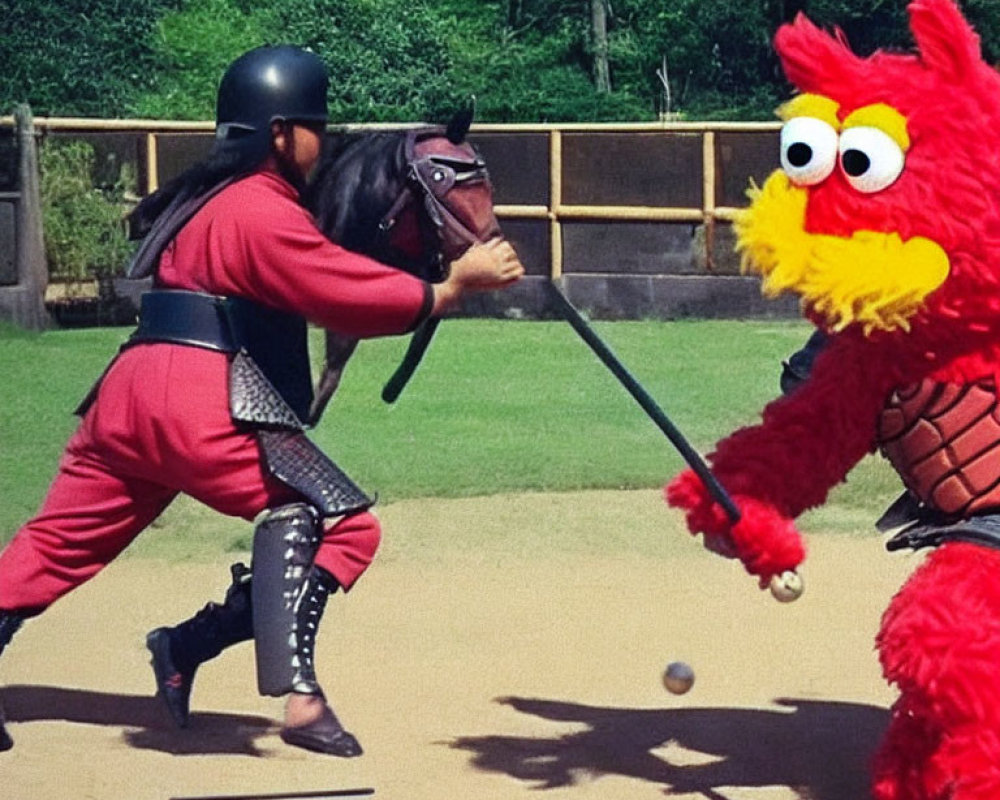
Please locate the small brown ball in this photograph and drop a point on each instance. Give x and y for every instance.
(678, 677)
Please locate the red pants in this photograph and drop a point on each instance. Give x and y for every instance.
(160, 426)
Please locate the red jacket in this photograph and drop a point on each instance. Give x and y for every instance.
(254, 240)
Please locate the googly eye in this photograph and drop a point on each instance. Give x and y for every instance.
(438, 175)
(808, 150)
(870, 158)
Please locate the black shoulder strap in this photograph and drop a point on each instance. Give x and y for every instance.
(174, 217)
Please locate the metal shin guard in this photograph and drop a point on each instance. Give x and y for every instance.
(288, 598)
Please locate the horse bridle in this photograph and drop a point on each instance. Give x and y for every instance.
(430, 178)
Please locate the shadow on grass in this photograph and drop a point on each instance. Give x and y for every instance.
(145, 720)
(820, 749)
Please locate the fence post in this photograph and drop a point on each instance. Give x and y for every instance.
(708, 196)
(24, 304)
(152, 163)
(555, 202)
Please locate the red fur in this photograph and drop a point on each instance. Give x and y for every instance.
(939, 642)
(766, 542)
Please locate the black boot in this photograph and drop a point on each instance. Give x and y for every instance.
(10, 621)
(325, 735)
(178, 652)
(6, 743)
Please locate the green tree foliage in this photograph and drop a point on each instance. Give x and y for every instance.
(717, 55)
(192, 45)
(389, 60)
(530, 60)
(985, 16)
(883, 24)
(395, 60)
(77, 57)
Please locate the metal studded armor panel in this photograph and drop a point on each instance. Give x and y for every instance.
(288, 454)
(254, 400)
(944, 441)
(294, 460)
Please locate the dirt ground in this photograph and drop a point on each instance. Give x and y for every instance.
(524, 661)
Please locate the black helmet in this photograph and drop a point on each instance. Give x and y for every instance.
(267, 84)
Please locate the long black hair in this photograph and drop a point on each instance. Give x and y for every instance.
(229, 158)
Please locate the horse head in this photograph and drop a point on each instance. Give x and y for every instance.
(455, 191)
(415, 199)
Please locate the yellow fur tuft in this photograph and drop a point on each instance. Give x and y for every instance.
(885, 118)
(811, 105)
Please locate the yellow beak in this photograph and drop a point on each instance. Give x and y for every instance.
(872, 278)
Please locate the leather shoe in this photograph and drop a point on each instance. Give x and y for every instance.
(172, 685)
(325, 735)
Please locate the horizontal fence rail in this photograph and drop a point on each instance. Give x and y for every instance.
(549, 184)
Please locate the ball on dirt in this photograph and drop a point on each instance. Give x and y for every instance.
(678, 677)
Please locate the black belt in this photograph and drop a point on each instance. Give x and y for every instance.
(182, 317)
(983, 529)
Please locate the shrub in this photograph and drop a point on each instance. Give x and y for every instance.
(84, 225)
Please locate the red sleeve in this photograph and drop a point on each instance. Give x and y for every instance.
(254, 240)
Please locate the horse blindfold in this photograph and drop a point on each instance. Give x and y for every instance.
(455, 220)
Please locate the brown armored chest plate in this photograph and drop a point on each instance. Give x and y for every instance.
(944, 441)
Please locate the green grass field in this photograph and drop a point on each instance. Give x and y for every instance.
(496, 407)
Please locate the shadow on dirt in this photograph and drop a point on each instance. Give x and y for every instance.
(821, 749)
(145, 720)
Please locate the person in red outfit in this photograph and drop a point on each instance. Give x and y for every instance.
(208, 395)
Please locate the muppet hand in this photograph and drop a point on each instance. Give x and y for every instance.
(765, 541)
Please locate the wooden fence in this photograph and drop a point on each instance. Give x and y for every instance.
(632, 219)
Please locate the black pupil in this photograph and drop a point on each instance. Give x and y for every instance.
(799, 154)
(855, 163)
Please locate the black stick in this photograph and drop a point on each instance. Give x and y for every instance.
(603, 352)
(418, 346)
(320, 795)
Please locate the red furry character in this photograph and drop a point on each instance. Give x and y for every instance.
(885, 219)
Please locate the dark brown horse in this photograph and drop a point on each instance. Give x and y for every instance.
(415, 199)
